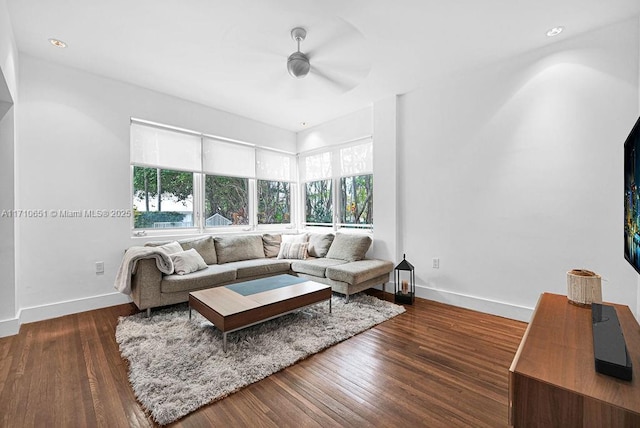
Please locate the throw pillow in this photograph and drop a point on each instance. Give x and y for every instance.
(319, 244)
(271, 244)
(290, 250)
(349, 247)
(295, 239)
(171, 247)
(188, 261)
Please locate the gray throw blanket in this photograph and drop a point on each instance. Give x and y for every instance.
(130, 260)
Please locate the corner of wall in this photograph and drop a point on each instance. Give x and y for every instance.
(386, 176)
(8, 55)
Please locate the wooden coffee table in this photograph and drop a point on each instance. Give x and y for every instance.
(237, 306)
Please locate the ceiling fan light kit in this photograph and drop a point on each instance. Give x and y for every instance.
(298, 63)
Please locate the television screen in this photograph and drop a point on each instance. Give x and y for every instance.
(632, 197)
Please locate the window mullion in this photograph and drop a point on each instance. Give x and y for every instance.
(198, 201)
(253, 204)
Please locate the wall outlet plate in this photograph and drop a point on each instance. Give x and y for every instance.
(99, 267)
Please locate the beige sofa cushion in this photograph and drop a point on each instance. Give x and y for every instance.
(359, 271)
(319, 244)
(315, 267)
(349, 247)
(271, 244)
(236, 248)
(204, 246)
(260, 267)
(212, 276)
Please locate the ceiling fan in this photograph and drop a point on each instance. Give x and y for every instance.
(333, 61)
(298, 64)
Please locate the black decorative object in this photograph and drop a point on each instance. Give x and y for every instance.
(609, 348)
(404, 282)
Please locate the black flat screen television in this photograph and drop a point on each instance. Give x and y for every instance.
(632, 197)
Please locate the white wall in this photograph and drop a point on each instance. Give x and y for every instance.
(341, 130)
(8, 93)
(512, 174)
(7, 244)
(385, 202)
(73, 154)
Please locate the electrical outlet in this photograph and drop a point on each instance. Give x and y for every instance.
(436, 263)
(99, 267)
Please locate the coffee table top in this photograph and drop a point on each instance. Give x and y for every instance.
(244, 296)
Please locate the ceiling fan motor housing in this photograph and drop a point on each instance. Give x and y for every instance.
(298, 65)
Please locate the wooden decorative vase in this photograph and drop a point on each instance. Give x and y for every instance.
(584, 287)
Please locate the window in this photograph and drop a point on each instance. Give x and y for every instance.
(226, 201)
(356, 200)
(228, 167)
(319, 203)
(162, 198)
(163, 164)
(182, 179)
(275, 172)
(274, 202)
(349, 170)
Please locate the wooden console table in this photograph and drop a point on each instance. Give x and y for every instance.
(552, 380)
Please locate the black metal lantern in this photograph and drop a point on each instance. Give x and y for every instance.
(405, 282)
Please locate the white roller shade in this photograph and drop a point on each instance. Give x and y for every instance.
(356, 160)
(316, 167)
(275, 166)
(161, 148)
(228, 159)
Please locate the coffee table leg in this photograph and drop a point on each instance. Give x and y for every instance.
(189, 312)
(329, 304)
(224, 342)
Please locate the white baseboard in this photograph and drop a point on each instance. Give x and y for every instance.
(58, 309)
(9, 327)
(493, 307)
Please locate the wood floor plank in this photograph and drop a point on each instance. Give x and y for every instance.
(435, 365)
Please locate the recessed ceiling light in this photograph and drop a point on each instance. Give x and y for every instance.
(58, 43)
(304, 123)
(554, 31)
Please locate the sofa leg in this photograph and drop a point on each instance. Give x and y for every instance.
(346, 299)
(148, 312)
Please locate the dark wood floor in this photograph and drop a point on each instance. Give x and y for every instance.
(435, 365)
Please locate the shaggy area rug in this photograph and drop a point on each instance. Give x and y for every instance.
(177, 365)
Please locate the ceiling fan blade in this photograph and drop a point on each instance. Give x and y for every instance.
(332, 37)
(338, 84)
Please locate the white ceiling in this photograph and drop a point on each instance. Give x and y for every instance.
(232, 55)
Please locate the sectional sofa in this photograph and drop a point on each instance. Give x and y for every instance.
(208, 261)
